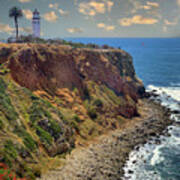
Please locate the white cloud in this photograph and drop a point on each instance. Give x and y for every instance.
(110, 4)
(54, 6)
(27, 30)
(98, 6)
(85, 9)
(6, 28)
(50, 16)
(153, 4)
(178, 2)
(101, 25)
(25, 1)
(170, 23)
(137, 19)
(147, 6)
(110, 28)
(106, 27)
(93, 7)
(74, 30)
(27, 13)
(63, 13)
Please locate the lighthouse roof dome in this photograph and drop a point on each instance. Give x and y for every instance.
(36, 12)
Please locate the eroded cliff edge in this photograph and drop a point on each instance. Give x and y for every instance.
(54, 98)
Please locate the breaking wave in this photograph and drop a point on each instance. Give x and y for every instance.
(160, 161)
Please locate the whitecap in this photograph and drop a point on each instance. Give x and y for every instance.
(150, 155)
(166, 92)
(156, 158)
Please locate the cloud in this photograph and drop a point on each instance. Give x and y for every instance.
(98, 6)
(148, 6)
(105, 27)
(9, 30)
(110, 28)
(101, 25)
(24, 1)
(170, 23)
(93, 7)
(178, 2)
(74, 30)
(6, 28)
(63, 13)
(27, 13)
(137, 19)
(50, 16)
(110, 4)
(26, 30)
(54, 6)
(153, 4)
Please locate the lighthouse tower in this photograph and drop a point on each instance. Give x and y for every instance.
(36, 23)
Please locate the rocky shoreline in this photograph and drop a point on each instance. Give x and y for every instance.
(105, 157)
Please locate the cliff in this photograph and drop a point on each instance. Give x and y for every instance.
(54, 98)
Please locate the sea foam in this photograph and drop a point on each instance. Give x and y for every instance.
(153, 162)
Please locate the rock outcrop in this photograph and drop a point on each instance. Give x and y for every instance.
(57, 97)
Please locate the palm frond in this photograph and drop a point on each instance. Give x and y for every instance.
(15, 12)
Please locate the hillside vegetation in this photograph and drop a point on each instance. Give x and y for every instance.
(54, 98)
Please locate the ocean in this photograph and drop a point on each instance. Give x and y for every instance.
(157, 63)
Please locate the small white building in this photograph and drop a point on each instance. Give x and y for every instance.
(36, 23)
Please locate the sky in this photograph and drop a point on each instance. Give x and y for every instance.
(95, 18)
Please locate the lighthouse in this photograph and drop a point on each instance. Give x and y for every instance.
(36, 23)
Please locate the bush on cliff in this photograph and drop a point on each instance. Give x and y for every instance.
(92, 113)
(98, 103)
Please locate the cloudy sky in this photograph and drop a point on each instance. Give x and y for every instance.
(95, 18)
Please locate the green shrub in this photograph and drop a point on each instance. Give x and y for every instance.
(3, 69)
(92, 113)
(86, 93)
(3, 86)
(1, 124)
(27, 139)
(33, 97)
(5, 52)
(28, 172)
(37, 112)
(62, 117)
(74, 125)
(44, 135)
(9, 153)
(55, 127)
(76, 118)
(10, 149)
(7, 108)
(5, 103)
(98, 103)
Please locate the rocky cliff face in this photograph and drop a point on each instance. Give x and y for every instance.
(42, 66)
(56, 97)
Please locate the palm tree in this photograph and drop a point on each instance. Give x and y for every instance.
(15, 13)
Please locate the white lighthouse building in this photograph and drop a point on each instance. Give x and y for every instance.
(36, 23)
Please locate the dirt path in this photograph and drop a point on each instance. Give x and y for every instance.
(104, 158)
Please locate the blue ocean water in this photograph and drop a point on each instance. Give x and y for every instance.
(157, 63)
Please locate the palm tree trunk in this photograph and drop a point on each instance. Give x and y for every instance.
(16, 25)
